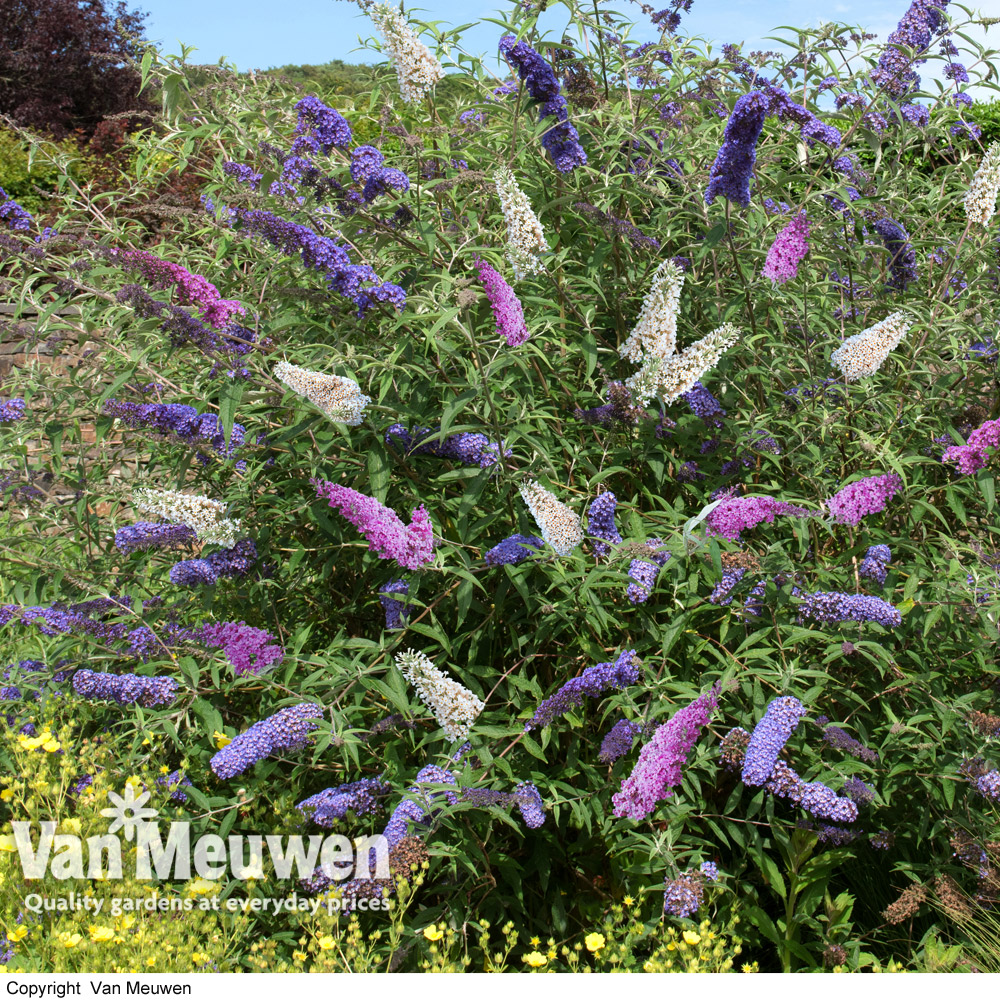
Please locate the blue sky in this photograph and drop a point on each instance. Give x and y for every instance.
(257, 34)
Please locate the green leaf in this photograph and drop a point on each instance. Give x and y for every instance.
(589, 345)
(989, 487)
(229, 400)
(378, 473)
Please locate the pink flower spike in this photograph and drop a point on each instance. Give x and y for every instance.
(192, 289)
(974, 454)
(866, 496)
(412, 546)
(787, 251)
(506, 308)
(659, 768)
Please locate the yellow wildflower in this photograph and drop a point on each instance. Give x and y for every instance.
(535, 959)
(299, 956)
(6, 795)
(18, 933)
(99, 934)
(68, 940)
(51, 746)
(7, 842)
(432, 933)
(221, 739)
(628, 900)
(326, 942)
(594, 942)
(72, 825)
(691, 937)
(201, 887)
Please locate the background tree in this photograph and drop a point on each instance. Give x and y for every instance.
(64, 64)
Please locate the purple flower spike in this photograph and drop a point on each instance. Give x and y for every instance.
(703, 404)
(125, 689)
(592, 683)
(514, 550)
(770, 735)
(875, 565)
(601, 523)
(530, 805)
(840, 740)
(562, 140)
(467, 447)
(12, 411)
(331, 804)
(326, 125)
(618, 741)
(815, 797)
(733, 167)
(233, 563)
(682, 896)
(148, 535)
(827, 606)
(644, 572)
(249, 650)
(287, 730)
(396, 611)
(895, 73)
(417, 804)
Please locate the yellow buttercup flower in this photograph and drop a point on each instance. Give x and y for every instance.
(7, 842)
(535, 959)
(68, 940)
(201, 887)
(7, 794)
(299, 956)
(221, 739)
(99, 934)
(535, 941)
(594, 942)
(691, 937)
(432, 933)
(18, 933)
(72, 825)
(326, 942)
(51, 746)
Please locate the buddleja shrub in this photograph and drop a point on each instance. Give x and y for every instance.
(587, 480)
